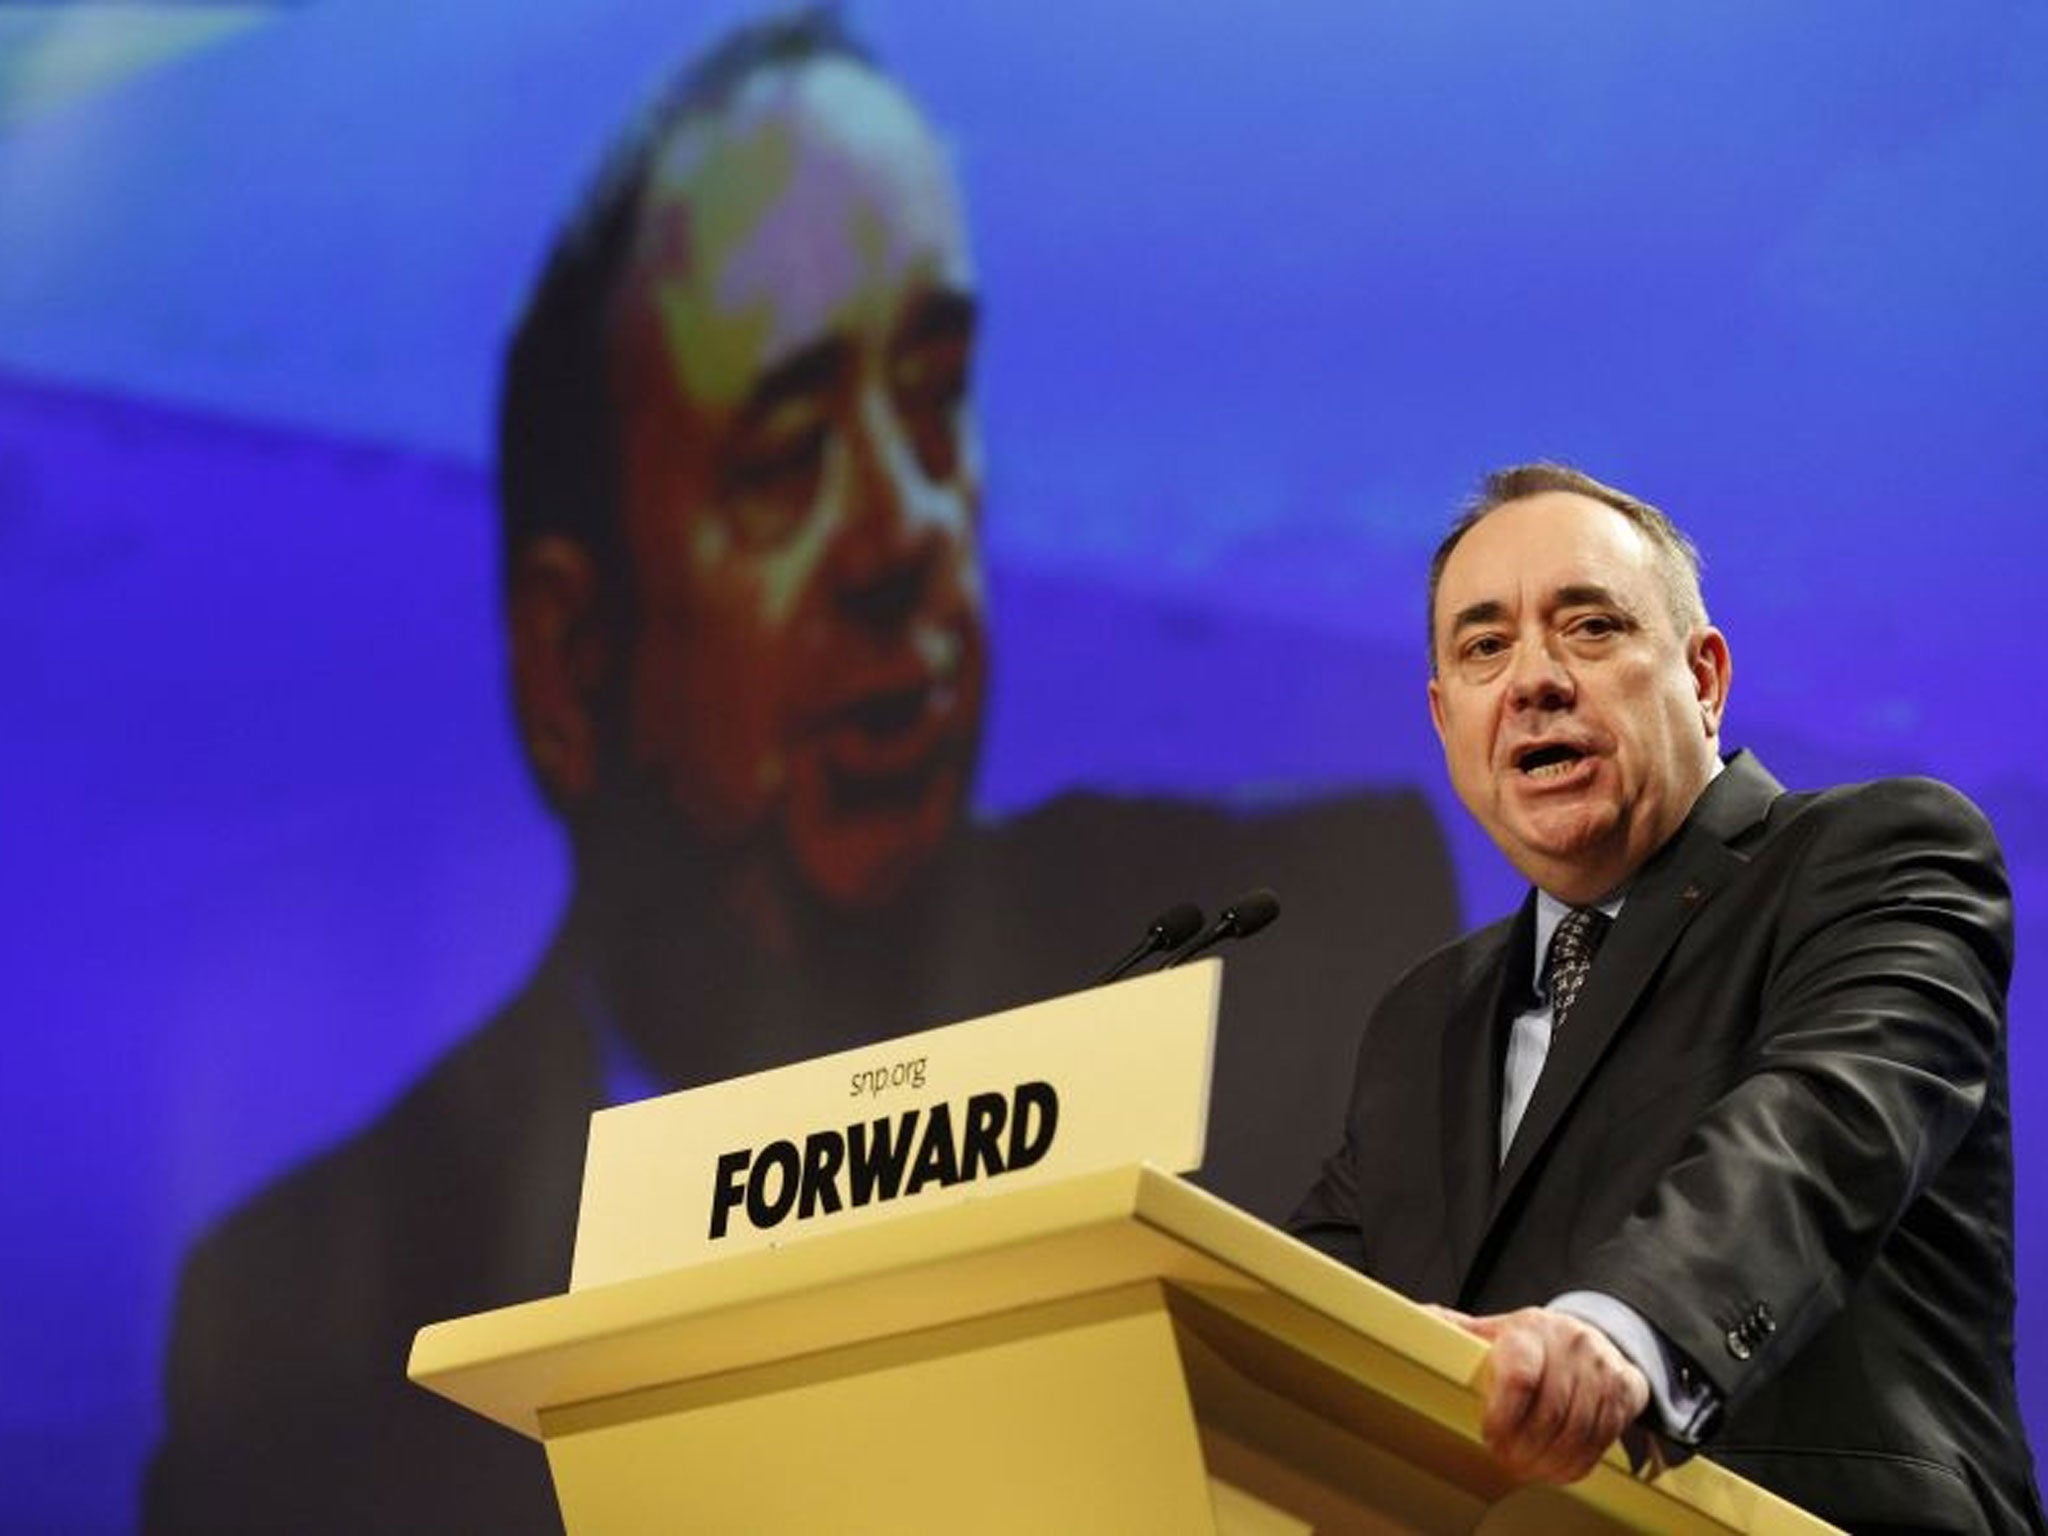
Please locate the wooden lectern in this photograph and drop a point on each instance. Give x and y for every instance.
(1029, 1329)
(1117, 1353)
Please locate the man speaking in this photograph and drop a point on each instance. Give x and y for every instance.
(1713, 1134)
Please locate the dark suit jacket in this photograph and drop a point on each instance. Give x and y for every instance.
(1776, 1125)
(288, 1407)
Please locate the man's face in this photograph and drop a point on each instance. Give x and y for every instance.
(802, 481)
(1578, 724)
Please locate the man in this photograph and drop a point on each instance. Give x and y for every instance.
(1742, 1168)
(741, 484)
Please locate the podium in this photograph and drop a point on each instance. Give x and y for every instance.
(1115, 1352)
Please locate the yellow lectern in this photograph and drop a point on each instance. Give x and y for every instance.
(1113, 1353)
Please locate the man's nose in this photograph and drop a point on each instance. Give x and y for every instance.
(899, 526)
(1538, 677)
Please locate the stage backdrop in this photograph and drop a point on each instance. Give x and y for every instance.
(1260, 296)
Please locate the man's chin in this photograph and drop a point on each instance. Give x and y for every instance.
(1555, 850)
(863, 862)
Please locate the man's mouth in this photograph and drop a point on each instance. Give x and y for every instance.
(1550, 760)
(882, 794)
(889, 713)
(884, 749)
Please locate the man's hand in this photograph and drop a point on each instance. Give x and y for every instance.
(1558, 1392)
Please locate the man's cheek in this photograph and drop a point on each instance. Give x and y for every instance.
(706, 727)
(743, 748)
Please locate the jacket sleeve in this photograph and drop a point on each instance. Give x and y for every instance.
(1880, 1033)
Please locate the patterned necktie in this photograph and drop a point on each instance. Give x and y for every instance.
(1570, 960)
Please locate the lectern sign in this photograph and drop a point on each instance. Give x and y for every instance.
(1098, 1079)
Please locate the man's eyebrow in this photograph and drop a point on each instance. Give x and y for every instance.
(945, 314)
(1575, 595)
(1486, 612)
(817, 369)
(1588, 595)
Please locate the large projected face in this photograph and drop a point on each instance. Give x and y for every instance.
(1579, 724)
(802, 482)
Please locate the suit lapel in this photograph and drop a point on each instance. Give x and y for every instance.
(1470, 1075)
(1677, 883)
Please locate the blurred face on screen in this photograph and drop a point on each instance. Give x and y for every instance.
(801, 485)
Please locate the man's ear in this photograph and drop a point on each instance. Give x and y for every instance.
(1436, 707)
(1712, 670)
(558, 663)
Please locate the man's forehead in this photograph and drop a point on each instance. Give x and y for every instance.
(1544, 545)
(813, 200)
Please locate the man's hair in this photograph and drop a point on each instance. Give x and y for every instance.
(559, 466)
(1678, 561)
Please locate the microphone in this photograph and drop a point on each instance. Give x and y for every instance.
(1240, 920)
(1171, 928)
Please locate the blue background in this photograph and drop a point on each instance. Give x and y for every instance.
(1265, 293)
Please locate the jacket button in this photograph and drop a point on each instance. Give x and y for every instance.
(1738, 1344)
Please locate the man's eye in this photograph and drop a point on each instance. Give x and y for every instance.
(1484, 647)
(1597, 626)
(770, 486)
(931, 389)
